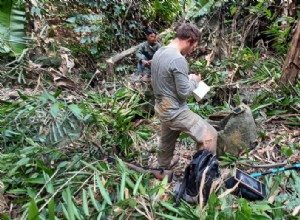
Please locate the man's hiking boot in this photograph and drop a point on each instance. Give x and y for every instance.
(173, 163)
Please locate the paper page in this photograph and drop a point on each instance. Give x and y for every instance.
(201, 91)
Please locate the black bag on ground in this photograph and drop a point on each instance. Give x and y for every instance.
(189, 188)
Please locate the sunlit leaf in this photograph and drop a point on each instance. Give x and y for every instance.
(85, 203)
(75, 110)
(51, 209)
(103, 190)
(94, 202)
(12, 19)
(69, 201)
(122, 187)
(33, 211)
(54, 109)
(233, 10)
(137, 184)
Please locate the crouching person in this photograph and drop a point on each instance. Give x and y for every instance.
(144, 55)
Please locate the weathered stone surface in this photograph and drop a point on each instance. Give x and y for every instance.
(237, 133)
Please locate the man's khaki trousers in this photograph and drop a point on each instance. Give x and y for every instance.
(191, 124)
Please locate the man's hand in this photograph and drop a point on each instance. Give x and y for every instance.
(146, 63)
(196, 77)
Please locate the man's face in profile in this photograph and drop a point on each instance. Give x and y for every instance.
(190, 46)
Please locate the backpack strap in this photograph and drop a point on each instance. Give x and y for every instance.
(204, 159)
(183, 184)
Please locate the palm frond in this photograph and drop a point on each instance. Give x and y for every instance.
(12, 35)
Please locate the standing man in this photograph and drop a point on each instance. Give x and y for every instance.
(171, 86)
(144, 55)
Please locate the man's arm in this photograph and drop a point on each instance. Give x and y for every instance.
(184, 85)
(140, 52)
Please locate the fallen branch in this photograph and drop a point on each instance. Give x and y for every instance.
(97, 71)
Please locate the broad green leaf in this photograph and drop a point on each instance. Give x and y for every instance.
(260, 217)
(289, 19)
(57, 93)
(49, 187)
(65, 212)
(162, 188)
(95, 203)
(89, 166)
(43, 167)
(76, 212)
(170, 207)
(166, 216)
(99, 217)
(203, 8)
(233, 10)
(17, 191)
(137, 184)
(286, 150)
(268, 13)
(261, 206)
(46, 96)
(38, 180)
(51, 209)
(55, 109)
(278, 212)
(68, 200)
(122, 187)
(127, 202)
(244, 211)
(76, 111)
(70, 207)
(5, 217)
(33, 211)
(103, 191)
(22, 96)
(31, 192)
(23, 161)
(130, 182)
(85, 205)
(12, 22)
(9, 133)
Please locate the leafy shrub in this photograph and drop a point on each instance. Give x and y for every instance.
(109, 25)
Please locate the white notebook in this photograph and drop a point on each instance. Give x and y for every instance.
(201, 91)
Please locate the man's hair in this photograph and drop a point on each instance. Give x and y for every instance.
(149, 31)
(188, 30)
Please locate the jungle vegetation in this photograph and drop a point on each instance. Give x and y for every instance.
(64, 108)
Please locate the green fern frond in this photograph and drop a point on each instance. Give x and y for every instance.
(12, 35)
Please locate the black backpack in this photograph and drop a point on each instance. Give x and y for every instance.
(189, 188)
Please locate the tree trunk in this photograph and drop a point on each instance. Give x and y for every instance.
(291, 68)
(114, 59)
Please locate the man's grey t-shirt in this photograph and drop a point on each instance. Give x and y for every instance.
(170, 82)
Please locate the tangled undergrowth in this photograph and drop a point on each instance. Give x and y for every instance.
(62, 115)
(55, 143)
